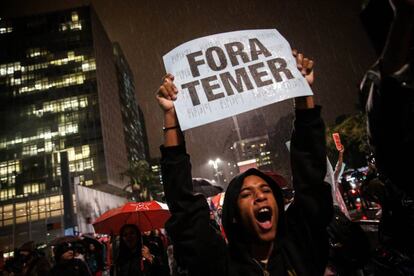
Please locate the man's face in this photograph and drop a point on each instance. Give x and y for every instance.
(258, 208)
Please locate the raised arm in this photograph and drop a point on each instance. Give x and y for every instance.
(308, 155)
(167, 93)
(195, 241)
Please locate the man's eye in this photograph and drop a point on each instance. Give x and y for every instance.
(267, 190)
(244, 195)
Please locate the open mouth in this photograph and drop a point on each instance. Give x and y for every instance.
(264, 218)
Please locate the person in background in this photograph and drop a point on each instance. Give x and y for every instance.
(66, 264)
(32, 261)
(94, 260)
(129, 260)
(154, 254)
(79, 251)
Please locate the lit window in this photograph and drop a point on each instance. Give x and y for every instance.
(3, 70)
(5, 30)
(75, 16)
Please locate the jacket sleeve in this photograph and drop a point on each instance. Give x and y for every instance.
(197, 246)
(308, 160)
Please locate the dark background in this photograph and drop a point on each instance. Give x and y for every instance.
(330, 32)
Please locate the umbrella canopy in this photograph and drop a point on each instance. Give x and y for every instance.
(86, 240)
(147, 216)
(206, 187)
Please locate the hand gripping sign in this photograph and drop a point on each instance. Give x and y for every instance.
(226, 74)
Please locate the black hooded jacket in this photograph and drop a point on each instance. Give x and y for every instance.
(301, 246)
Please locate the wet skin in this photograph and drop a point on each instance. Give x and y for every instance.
(258, 209)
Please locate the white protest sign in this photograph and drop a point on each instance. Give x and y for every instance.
(222, 75)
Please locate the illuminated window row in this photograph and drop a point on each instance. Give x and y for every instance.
(7, 194)
(10, 68)
(78, 153)
(34, 188)
(8, 180)
(9, 167)
(6, 30)
(75, 24)
(82, 165)
(89, 65)
(32, 210)
(63, 130)
(71, 57)
(61, 105)
(70, 128)
(36, 52)
(45, 84)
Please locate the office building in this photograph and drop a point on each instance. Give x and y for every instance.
(61, 89)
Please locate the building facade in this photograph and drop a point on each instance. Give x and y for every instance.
(59, 91)
(132, 116)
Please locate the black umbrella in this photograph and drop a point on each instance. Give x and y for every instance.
(86, 240)
(64, 239)
(206, 187)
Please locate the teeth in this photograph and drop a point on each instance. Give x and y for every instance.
(264, 209)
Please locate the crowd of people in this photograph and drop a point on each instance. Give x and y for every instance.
(257, 233)
(135, 253)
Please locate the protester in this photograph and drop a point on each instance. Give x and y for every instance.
(390, 112)
(94, 260)
(30, 261)
(154, 253)
(66, 264)
(262, 238)
(79, 251)
(129, 259)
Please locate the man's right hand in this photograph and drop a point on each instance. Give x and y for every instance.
(167, 93)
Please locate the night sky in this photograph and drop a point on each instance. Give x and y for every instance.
(330, 32)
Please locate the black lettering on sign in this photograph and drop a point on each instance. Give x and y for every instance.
(258, 76)
(237, 82)
(209, 87)
(191, 86)
(235, 49)
(257, 48)
(242, 79)
(195, 63)
(276, 71)
(212, 62)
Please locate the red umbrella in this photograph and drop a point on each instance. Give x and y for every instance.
(147, 216)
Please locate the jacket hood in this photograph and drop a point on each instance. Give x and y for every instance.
(230, 217)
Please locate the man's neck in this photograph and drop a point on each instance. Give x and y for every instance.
(262, 251)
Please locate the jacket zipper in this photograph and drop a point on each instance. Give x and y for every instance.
(265, 271)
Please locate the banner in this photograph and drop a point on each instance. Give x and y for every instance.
(91, 204)
(223, 75)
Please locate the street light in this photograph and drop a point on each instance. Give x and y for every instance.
(214, 164)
